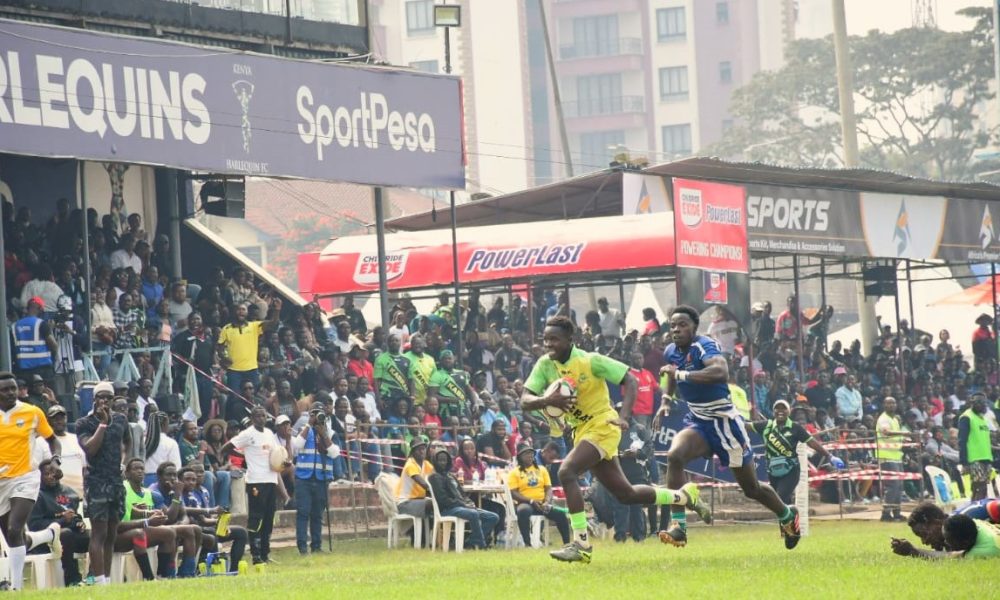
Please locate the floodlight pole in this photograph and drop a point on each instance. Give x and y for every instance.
(383, 284)
(5, 360)
(459, 329)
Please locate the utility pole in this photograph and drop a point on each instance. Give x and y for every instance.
(563, 137)
(849, 131)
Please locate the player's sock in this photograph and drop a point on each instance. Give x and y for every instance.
(16, 555)
(679, 517)
(669, 496)
(142, 557)
(101, 580)
(188, 567)
(578, 521)
(786, 516)
(166, 565)
(37, 538)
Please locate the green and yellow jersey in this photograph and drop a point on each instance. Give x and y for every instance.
(590, 372)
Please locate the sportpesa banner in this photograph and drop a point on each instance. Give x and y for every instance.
(74, 93)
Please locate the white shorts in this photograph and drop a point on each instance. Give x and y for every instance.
(23, 486)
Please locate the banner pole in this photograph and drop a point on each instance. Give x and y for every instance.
(798, 318)
(383, 284)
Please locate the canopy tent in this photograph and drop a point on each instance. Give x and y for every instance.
(498, 253)
(981, 294)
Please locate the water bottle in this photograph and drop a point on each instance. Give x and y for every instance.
(475, 477)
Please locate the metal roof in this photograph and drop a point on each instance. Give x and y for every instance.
(599, 194)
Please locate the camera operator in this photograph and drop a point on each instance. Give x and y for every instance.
(58, 509)
(314, 456)
(69, 331)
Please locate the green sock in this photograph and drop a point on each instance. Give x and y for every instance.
(666, 496)
(785, 516)
(578, 522)
(680, 517)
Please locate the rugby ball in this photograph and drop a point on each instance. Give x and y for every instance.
(277, 458)
(566, 388)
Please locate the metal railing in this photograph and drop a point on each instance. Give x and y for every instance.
(594, 48)
(611, 105)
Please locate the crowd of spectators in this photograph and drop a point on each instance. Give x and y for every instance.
(346, 401)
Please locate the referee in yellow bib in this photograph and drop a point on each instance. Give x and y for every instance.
(597, 429)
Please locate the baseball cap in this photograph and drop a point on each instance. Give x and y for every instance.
(445, 353)
(41, 303)
(780, 402)
(840, 371)
(282, 419)
(55, 410)
(104, 387)
(420, 440)
(522, 448)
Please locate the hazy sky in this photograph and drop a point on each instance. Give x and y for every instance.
(887, 15)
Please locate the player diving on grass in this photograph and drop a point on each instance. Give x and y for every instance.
(698, 373)
(597, 429)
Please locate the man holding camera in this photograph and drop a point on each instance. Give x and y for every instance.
(314, 455)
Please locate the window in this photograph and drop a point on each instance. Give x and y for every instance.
(427, 66)
(725, 72)
(674, 83)
(599, 147)
(599, 94)
(671, 24)
(722, 13)
(596, 36)
(677, 140)
(419, 16)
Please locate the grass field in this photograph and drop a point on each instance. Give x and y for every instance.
(838, 560)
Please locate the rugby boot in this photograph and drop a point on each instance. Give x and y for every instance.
(694, 502)
(675, 535)
(790, 529)
(572, 552)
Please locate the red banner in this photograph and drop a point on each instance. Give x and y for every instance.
(711, 226)
(523, 251)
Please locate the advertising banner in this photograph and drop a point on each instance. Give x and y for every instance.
(75, 93)
(804, 221)
(901, 226)
(969, 232)
(644, 194)
(494, 253)
(711, 226)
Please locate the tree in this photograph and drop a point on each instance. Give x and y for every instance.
(310, 233)
(919, 97)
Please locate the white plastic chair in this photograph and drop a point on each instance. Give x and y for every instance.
(385, 485)
(43, 566)
(939, 474)
(444, 525)
(539, 525)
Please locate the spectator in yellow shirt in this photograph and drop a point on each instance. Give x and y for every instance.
(411, 493)
(531, 489)
(240, 340)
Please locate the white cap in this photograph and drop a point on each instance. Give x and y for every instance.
(104, 386)
(282, 419)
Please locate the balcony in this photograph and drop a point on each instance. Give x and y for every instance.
(600, 48)
(595, 107)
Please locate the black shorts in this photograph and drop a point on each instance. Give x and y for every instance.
(105, 499)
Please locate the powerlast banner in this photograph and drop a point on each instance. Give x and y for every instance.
(74, 93)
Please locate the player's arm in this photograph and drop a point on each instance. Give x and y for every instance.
(274, 314)
(716, 371)
(630, 388)
(906, 548)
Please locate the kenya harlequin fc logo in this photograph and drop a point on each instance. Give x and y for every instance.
(244, 92)
(986, 233)
(691, 206)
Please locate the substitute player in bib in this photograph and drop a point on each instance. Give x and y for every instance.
(20, 423)
(597, 429)
(698, 373)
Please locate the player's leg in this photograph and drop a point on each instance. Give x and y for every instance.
(686, 446)
(17, 518)
(788, 516)
(582, 458)
(611, 476)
